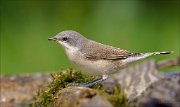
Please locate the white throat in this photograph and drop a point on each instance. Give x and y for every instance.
(70, 50)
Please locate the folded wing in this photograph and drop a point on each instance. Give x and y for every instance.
(97, 51)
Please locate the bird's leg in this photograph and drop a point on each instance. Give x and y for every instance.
(88, 84)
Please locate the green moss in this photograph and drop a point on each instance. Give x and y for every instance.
(61, 80)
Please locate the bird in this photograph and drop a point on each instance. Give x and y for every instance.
(95, 58)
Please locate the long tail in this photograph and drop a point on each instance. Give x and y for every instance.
(138, 56)
(165, 52)
(144, 55)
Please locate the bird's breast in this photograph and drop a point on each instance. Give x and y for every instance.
(72, 53)
(97, 67)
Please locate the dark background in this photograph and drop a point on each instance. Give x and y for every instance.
(139, 26)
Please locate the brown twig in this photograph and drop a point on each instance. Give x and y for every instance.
(168, 63)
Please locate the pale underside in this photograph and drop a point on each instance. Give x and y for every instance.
(95, 59)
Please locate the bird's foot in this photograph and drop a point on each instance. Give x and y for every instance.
(91, 83)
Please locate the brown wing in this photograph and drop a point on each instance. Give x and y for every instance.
(97, 51)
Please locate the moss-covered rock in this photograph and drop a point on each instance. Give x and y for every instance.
(48, 96)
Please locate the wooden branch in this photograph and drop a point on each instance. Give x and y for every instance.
(168, 63)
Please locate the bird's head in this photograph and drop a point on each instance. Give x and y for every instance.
(68, 39)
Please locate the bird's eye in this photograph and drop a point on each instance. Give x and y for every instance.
(64, 38)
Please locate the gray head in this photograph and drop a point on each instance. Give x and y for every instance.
(69, 38)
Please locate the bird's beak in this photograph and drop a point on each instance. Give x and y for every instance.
(52, 39)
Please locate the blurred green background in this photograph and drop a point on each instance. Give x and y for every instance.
(139, 26)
